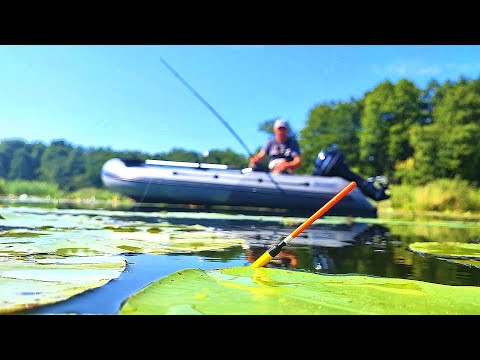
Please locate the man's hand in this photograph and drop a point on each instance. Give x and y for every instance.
(253, 161)
(256, 158)
(281, 166)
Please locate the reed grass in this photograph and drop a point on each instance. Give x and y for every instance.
(30, 188)
(455, 196)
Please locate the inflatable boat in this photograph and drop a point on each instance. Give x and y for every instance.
(172, 182)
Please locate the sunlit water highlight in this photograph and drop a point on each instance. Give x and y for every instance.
(331, 245)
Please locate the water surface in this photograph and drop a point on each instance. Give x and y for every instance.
(331, 245)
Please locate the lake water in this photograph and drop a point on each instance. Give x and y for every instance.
(332, 245)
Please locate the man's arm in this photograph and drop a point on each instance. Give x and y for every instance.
(295, 163)
(256, 158)
(290, 166)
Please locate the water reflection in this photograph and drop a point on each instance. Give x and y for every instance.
(329, 246)
(315, 249)
(374, 251)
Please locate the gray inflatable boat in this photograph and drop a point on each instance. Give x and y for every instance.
(171, 182)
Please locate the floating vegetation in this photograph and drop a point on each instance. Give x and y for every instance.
(447, 249)
(462, 253)
(20, 233)
(49, 256)
(28, 282)
(107, 242)
(175, 241)
(270, 291)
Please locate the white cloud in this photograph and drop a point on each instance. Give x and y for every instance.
(244, 46)
(418, 69)
(408, 69)
(465, 67)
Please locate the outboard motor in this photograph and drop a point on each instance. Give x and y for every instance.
(331, 162)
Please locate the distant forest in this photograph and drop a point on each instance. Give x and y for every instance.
(409, 134)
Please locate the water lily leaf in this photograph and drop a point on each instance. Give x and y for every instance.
(467, 254)
(258, 291)
(178, 241)
(79, 242)
(88, 218)
(447, 249)
(26, 283)
(41, 218)
(474, 263)
(19, 233)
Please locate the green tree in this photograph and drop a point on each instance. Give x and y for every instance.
(178, 154)
(227, 157)
(424, 165)
(21, 165)
(54, 164)
(95, 158)
(4, 165)
(36, 151)
(373, 139)
(76, 169)
(457, 116)
(389, 111)
(331, 123)
(7, 150)
(448, 146)
(409, 109)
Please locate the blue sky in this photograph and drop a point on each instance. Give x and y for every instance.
(124, 98)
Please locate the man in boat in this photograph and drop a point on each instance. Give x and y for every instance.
(284, 151)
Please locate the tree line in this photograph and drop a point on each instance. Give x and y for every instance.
(412, 135)
(409, 134)
(74, 167)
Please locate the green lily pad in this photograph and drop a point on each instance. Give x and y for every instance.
(15, 233)
(262, 291)
(78, 242)
(177, 241)
(447, 249)
(40, 218)
(462, 253)
(474, 263)
(86, 233)
(29, 282)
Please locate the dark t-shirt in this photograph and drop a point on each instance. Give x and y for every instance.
(276, 150)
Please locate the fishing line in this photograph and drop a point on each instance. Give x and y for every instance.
(217, 115)
(199, 97)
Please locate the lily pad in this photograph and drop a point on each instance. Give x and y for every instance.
(78, 242)
(462, 253)
(263, 291)
(26, 283)
(87, 217)
(447, 249)
(474, 263)
(178, 241)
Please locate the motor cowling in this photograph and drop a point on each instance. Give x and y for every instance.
(328, 160)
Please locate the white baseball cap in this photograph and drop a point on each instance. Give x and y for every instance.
(280, 123)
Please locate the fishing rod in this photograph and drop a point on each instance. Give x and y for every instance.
(222, 120)
(199, 97)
